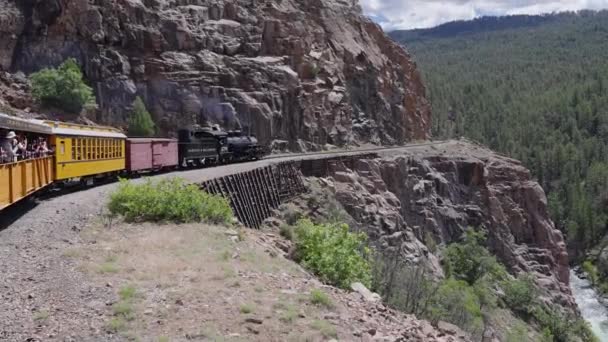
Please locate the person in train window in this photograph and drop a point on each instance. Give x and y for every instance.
(38, 148)
(20, 147)
(9, 146)
(43, 148)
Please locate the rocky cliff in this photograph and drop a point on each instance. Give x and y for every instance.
(302, 73)
(411, 202)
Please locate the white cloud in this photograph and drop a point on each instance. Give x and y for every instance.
(407, 14)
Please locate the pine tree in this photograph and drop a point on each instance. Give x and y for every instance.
(140, 122)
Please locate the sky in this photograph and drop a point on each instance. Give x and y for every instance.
(408, 14)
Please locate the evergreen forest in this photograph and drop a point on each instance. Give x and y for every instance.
(534, 88)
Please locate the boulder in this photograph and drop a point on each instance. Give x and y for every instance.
(367, 294)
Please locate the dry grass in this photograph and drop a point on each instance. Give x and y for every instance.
(318, 297)
(41, 315)
(325, 328)
(247, 308)
(198, 281)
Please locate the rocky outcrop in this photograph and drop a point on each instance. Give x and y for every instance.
(415, 201)
(15, 95)
(299, 72)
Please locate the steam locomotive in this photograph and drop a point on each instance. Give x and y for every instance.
(202, 146)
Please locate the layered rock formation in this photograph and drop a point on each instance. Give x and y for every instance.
(410, 202)
(302, 72)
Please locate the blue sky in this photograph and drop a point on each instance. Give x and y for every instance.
(407, 14)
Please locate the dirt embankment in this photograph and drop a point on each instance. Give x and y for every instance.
(71, 274)
(117, 282)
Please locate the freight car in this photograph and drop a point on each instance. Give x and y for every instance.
(151, 154)
(80, 153)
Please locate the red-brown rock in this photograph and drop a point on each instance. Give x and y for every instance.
(401, 200)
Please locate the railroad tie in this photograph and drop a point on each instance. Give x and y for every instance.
(242, 196)
(247, 220)
(263, 192)
(254, 192)
(237, 205)
(274, 194)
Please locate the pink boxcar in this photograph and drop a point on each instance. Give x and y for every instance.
(151, 153)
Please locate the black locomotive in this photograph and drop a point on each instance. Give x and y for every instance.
(202, 146)
(245, 147)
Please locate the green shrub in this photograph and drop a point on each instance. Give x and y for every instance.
(429, 242)
(318, 297)
(604, 287)
(403, 286)
(127, 292)
(123, 308)
(336, 255)
(562, 327)
(247, 308)
(517, 333)
(116, 324)
(470, 260)
(325, 328)
(591, 272)
(520, 293)
(469, 293)
(170, 199)
(63, 87)
(456, 302)
(140, 120)
(287, 231)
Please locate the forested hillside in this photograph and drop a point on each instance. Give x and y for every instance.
(535, 88)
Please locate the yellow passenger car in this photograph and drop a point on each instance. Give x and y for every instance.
(19, 179)
(82, 152)
(79, 153)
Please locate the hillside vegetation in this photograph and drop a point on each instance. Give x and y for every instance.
(535, 88)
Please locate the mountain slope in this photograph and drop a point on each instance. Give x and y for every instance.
(301, 73)
(534, 88)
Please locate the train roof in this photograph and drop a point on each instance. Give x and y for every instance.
(14, 123)
(48, 127)
(65, 128)
(150, 139)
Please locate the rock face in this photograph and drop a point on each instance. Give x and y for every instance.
(411, 202)
(304, 73)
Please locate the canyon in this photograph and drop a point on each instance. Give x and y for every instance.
(301, 75)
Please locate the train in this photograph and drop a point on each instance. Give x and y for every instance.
(82, 154)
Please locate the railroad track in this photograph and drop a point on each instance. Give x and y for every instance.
(255, 194)
(9, 215)
(357, 151)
